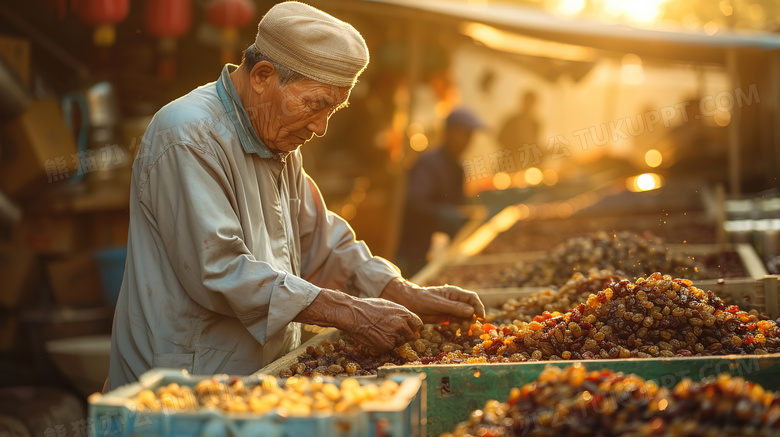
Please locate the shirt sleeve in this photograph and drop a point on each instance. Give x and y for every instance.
(191, 203)
(331, 255)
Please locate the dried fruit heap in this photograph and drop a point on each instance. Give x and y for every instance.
(297, 397)
(346, 356)
(343, 357)
(652, 317)
(625, 252)
(629, 254)
(655, 316)
(574, 402)
(576, 290)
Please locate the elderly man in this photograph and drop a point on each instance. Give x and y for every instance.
(230, 244)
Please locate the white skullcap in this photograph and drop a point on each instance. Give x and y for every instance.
(312, 43)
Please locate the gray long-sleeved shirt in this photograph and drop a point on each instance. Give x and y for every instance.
(225, 247)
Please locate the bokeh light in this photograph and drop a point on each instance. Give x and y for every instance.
(722, 118)
(523, 211)
(348, 211)
(726, 8)
(358, 196)
(571, 7)
(711, 28)
(653, 158)
(502, 181)
(534, 176)
(644, 182)
(643, 11)
(418, 142)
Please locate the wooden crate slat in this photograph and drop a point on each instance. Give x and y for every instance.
(770, 288)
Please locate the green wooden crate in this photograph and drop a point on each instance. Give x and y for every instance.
(453, 391)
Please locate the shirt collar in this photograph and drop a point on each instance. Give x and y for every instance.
(250, 141)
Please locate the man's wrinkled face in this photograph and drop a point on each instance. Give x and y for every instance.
(299, 111)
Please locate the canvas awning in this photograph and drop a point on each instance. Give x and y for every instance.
(677, 44)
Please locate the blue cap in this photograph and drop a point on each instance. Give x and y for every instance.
(464, 117)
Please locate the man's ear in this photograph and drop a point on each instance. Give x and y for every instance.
(262, 76)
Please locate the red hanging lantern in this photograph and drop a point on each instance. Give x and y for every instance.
(168, 20)
(230, 16)
(103, 15)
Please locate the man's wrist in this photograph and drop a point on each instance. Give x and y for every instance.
(396, 290)
(327, 310)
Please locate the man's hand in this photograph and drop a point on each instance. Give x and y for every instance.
(434, 304)
(383, 325)
(379, 324)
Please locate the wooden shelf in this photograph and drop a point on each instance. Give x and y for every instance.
(109, 199)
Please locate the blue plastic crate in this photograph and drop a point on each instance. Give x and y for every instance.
(407, 417)
(114, 415)
(112, 270)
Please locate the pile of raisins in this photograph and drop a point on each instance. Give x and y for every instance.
(343, 357)
(652, 317)
(575, 290)
(655, 316)
(574, 402)
(628, 253)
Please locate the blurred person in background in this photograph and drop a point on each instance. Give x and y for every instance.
(522, 127)
(434, 192)
(231, 245)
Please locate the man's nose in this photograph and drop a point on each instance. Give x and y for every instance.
(319, 125)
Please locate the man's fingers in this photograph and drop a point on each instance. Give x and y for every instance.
(386, 343)
(445, 306)
(471, 298)
(385, 337)
(478, 306)
(406, 333)
(415, 322)
(462, 310)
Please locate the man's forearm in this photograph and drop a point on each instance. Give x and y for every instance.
(377, 323)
